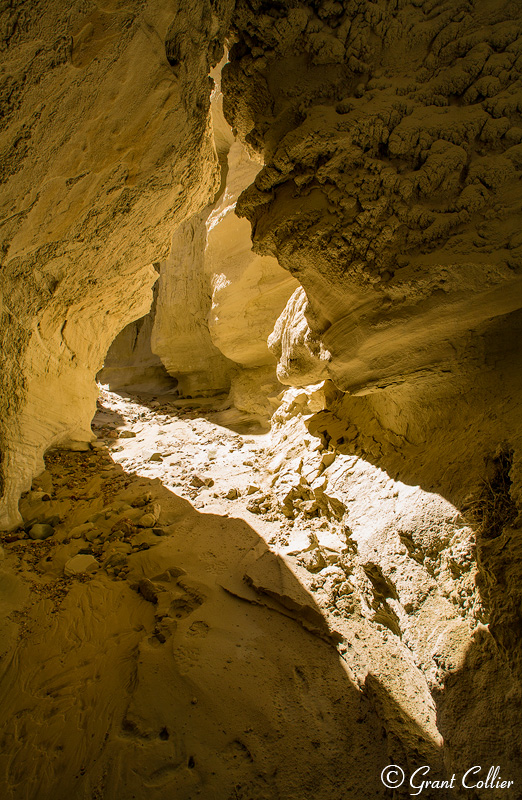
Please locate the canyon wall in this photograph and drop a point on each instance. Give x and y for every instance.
(216, 300)
(373, 151)
(391, 141)
(106, 147)
(391, 189)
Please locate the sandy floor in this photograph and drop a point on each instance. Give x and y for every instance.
(192, 655)
(150, 677)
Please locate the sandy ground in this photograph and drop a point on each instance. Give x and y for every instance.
(187, 631)
(148, 677)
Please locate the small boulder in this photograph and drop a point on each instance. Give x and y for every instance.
(156, 457)
(77, 447)
(80, 564)
(142, 500)
(147, 521)
(199, 483)
(41, 531)
(147, 590)
(127, 435)
(232, 494)
(81, 531)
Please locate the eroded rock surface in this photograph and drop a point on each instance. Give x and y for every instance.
(390, 188)
(106, 147)
(382, 511)
(391, 144)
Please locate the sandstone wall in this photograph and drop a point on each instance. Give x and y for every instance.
(105, 147)
(391, 189)
(391, 140)
(217, 301)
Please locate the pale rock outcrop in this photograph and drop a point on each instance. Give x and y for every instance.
(248, 291)
(105, 147)
(180, 335)
(301, 359)
(391, 144)
(217, 300)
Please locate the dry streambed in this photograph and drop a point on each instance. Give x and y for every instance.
(196, 612)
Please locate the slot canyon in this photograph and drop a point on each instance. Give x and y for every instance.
(261, 407)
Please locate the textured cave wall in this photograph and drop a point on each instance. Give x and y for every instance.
(392, 147)
(391, 189)
(105, 147)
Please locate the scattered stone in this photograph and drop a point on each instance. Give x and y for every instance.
(44, 482)
(147, 590)
(115, 560)
(156, 457)
(251, 489)
(81, 531)
(127, 435)
(258, 505)
(312, 560)
(116, 546)
(125, 525)
(310, 508)
(327, 459)
(248, 463)
(142, 500)
(199, 482)
(232, 494)
(41, 531)
(145, 536)
(153, 508)
(35, 497)
(13, 537)
(79, 564)
(147, 521)
(159, 532)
